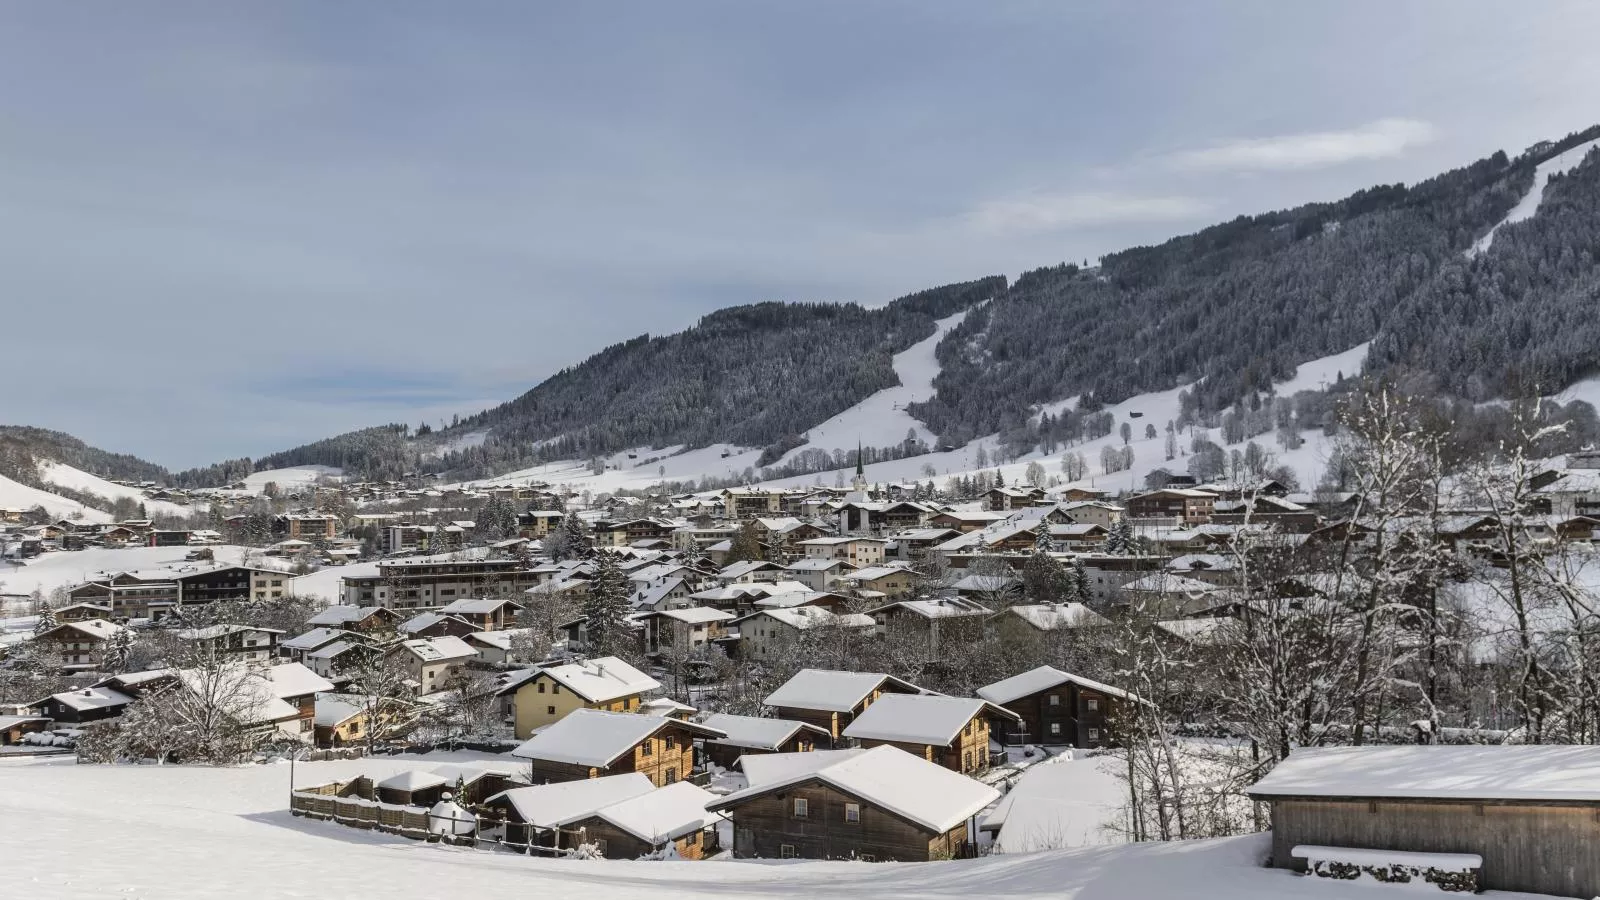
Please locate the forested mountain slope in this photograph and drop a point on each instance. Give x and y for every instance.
(1237, 305)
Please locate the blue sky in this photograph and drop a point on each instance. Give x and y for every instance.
(229, 228)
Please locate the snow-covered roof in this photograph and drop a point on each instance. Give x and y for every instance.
(696, 615)
(987, 583)
(756, 733)
(938, 607)
(99, 629)
(547, 805)
(500, 640)
(316, 637)
(439, 649)
(1051, 616)
(818, 564)
(1518, 772)
(592, 737)
(411, 780)
(334, 710)
(210, 632)
(1162, 583)
(477, 606)
(1041, 679)
(661, 815)
(918, 719)
(830, 690)
(663, 706)
(602, 679)
(91, 698)
(339, 615)
(772, 768)
(892, 780)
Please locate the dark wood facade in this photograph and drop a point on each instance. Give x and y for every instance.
(769, 827)
(725, 755)
(967, 754)
(1065, 714)
(615, 843)
(666, 756)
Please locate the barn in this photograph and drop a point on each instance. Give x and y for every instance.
(1530, 815)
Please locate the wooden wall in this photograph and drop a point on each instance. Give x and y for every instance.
(1540, 849)
(764, 824)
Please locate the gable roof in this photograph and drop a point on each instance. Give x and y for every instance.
(919, 719)
(439, 649)
(889, 778)
(547, 805)
(1051, 616)
(1042, 678)
(316, 637)
(658, 816)
(756, 733)
(602, 679)
(830, 690)
(592, 737)
(478, 606)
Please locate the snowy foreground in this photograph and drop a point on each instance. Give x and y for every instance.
(177, 833)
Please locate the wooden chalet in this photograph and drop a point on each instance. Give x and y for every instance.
(589, 743)
(952, 732)
(878, 805)
(1052, 707)
(485, 613)
(831, 700)
(542, 696)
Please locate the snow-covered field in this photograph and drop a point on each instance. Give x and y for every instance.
(1062, 803)
(75, 479)
(881, 420)
(296, 476)
(20, 496)
(70, 567)
(75, 832)
(1529, 204)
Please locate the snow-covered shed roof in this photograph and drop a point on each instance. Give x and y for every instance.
(477, 605)
(830, 690)
(91, 698)
(592, 737)
(1042, 679)
(1517, 772)
(547, 805)
(439, 649)
(889, 778)
(658, 816)
(499, 640)
(334, 710)
(756, 733)
(919, 719)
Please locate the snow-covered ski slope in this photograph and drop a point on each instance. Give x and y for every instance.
(182, 833)
(78, 480)
(1529, 204)
(881, 420)
(15, 495)
(71, 567)
(294, 476)
(640, 468)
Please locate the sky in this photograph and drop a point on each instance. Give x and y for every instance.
(230, 228)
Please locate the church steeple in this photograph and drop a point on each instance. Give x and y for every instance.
(859, 483)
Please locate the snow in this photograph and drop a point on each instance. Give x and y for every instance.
(68, 568)
(287, 478)
(915, 719)
(195, 833)
(591, 737)
(892, 779)
(1041, 679)
(548, 805)
(664, 814)
(1529, 204)
(15, 495)
(754, 732)
(881, 420)
(1062, 802)
(603, 679)
(1538, 773)
(411, 780)
(75, 479)
(771, 768)
(824, 689)
(1450, 862)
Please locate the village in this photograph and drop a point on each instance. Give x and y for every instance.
(868, 672)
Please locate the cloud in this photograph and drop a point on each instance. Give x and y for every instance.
(1382, 139)
(1040, 212)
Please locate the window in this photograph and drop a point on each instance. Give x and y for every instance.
(802, 808)
(966, 760)
(786, 851)
(1055, 727)
(648, 748)
(672, 776)
(541, 687)
(277, 582)
(305, 724)
(600, 845)
(1055, 699)
(549, 710)
(1094, 734)
(555, 688)
(852, 812)
(1093, 703)
(672, 743)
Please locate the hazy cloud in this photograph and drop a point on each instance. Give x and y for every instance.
(1382, 139)
(1044, 212)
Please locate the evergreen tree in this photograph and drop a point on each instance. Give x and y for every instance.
(1044, 580)
(1080, 582)
(746, 544)
(47, 621)
(1120, 538)
(606, 607)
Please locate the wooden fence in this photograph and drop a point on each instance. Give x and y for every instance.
(342, 803)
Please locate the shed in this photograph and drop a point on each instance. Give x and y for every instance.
(1532, 813)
